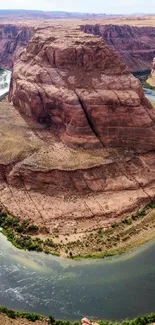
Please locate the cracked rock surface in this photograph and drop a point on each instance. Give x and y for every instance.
(135, 44)
(75, 84)
(77, 149)
(13, 38)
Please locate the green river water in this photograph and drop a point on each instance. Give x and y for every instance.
(111, 288)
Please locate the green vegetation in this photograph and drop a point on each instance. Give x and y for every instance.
(152, 102)
(115, 240)
(143, 320)
(17, 314)
(143, 79)
(122, 236)
(20, 234)
(140, 214)
(145, 84)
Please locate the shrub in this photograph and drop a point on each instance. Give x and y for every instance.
(11, 221)
(51, 320)
(32, 316)
(142, 213)
(127, 221)
(49, 242)
(11, 314)
(32, 228)
(3, 214)
(114, 225)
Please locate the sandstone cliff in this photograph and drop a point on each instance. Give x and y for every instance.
(135, 45)
(13, 38)
(77, 85)
(83, 97)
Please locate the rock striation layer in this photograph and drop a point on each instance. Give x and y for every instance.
(78, 86)
(13, 38)
(135, 45)
(77, 153)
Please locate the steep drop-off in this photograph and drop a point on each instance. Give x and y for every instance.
(13, 38)
(135, 45)
(80, 87)
(90, 159)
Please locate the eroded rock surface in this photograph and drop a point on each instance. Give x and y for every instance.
(13, 38)
(77, 85)
(135, 45)
(90, 159)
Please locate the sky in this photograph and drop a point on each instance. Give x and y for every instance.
(96, 6)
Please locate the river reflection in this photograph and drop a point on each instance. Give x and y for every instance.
(150, 94)
(112, 288)
(5, 76)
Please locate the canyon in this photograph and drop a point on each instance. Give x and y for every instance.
(78, 138)
(132, 39)
(134, 44)
(13, 38)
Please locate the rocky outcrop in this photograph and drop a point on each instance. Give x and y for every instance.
(77, 153)
(78, 86)
(135, 45)
(13, 38)
(86, 321)
(63, 189)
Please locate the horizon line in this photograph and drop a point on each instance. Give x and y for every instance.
(79, 12)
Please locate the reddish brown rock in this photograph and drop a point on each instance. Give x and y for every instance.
(62, 189)
(13, 38)
(77, 85)
(85, 321)
(135, 45)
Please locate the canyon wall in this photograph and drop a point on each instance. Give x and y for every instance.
(13, 38)
(77, 85)
(135, 45)
(77, 147)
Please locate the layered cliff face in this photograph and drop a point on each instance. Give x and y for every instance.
(135, 45)
(78, 168)
(13, 38)
(80, 87)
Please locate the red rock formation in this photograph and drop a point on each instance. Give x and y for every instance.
(13, 38)
(135, 45)
(79, 86)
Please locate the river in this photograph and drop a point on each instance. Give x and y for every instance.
(112, 288)
(150, 94)
(5, 76)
